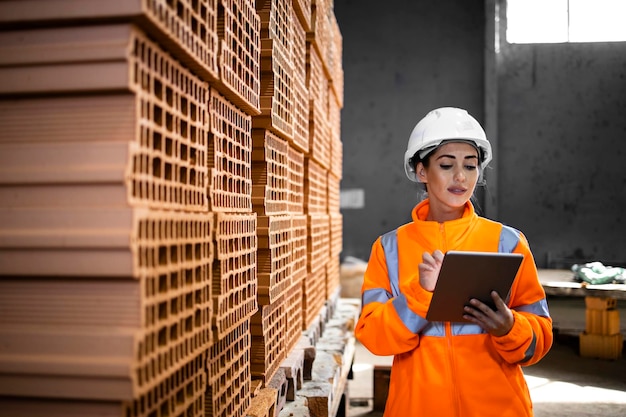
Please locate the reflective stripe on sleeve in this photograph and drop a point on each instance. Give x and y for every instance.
(539, 308)
(375, 295)
(412, 321)
(528, 355)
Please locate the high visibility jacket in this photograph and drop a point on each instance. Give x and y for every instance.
(441, 368)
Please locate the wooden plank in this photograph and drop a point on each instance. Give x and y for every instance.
(560, 282)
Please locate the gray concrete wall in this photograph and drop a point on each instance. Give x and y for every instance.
(562, 166)
(561, 123)
(401, 59)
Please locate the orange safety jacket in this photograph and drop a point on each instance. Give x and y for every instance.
(442, 368)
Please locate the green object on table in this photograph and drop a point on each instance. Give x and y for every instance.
(596, 273)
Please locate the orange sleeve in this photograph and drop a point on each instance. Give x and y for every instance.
(531, 337)
(386, 325)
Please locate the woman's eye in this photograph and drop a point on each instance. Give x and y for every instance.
(470, 167)
(445, 166)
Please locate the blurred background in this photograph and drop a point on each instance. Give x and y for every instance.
(554, 112)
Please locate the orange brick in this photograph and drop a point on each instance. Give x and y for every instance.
(229, 157)
(314, 296)
(228, 390)
(602, 322)
(186, 28)
(234, 271)
(270, 173)
(299, 234)
(303, 12)
(268, 347)
(315, 188)
(318, 241)
(600, 303)
(240, 43)
(601, 346)
(277, 70)
(274, 257)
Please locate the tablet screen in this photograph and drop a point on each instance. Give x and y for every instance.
(466, 275)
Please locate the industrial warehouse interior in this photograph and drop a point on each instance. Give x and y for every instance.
(191, 190)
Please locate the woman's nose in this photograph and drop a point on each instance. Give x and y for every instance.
(459, 175)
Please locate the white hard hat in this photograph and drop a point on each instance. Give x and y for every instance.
(444, 124)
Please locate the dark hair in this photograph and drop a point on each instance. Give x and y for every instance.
(415, 159)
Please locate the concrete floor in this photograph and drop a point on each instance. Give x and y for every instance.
(563, 384)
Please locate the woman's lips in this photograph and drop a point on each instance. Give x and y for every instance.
(457, 190)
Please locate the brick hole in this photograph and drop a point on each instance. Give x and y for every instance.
(169, 96)
(169, 121)
(174, 332)
(189, 324)
(194, 25)
(168, 171)
(169, 145)
(193, 134)
(189, 303)
(162, 255)
(158, 89)
(163, 287)
(174, 306)
(162, 337)
(163, 311)
(158, 115)
(145, 81)
(184, 131)
(193, 112)
(188, 252)
(200, 299)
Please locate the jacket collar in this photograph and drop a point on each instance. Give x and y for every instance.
(454, 231)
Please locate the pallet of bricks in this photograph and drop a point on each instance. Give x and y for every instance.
(601, 338)
(169, 176)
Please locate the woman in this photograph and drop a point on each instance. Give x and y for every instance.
(443, 368)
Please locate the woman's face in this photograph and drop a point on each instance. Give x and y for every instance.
(451, 175)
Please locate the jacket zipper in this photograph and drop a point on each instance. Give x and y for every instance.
(455, 393)
(448, 336)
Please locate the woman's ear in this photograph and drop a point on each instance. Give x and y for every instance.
(420, 173)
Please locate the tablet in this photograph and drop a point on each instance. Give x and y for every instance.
(466, 275)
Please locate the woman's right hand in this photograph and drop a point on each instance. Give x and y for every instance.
(429, 269)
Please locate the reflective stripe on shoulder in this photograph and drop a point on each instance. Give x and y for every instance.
(390, 245)
(509, 238)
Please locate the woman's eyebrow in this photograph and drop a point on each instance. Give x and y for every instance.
(454, 157)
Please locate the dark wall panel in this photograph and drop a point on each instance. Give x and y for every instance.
(562, 122)
(401, 59)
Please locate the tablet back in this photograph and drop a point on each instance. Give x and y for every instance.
(466, 275)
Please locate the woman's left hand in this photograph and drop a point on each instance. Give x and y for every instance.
(496, 322)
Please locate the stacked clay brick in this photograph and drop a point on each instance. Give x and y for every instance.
(602, 337)
(169, 190)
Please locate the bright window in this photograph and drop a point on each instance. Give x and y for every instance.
(556, 21)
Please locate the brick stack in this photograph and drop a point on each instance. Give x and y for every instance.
(602, 337)
(271, 133)
(169, 188)
(106, 239)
